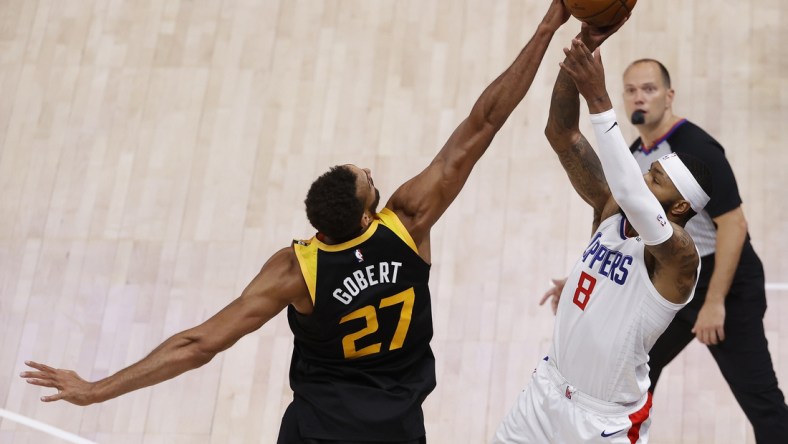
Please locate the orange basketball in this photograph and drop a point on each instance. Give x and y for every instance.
(600, 13)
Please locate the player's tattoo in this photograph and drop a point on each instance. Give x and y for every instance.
(577, 157)
(679, 251)
(565, 103)
(585, 171)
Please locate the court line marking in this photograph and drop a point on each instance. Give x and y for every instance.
(46, 428)
(777, 285)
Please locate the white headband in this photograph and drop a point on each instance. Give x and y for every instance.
(685, 182)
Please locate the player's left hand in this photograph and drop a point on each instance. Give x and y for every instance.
(554, 293)
(594, 36)
(70, 387)
(585, 68)
(709, 327)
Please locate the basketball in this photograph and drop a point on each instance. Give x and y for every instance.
(600, 13)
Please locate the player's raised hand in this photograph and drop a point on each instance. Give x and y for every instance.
(556, 15)
(70, 387)
(554, 293)
(594, 36)
(585, 68)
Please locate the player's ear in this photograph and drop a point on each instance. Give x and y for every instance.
(680, 207)
(366, 219)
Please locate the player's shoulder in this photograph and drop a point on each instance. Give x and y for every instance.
(284, 260)
(682, 252)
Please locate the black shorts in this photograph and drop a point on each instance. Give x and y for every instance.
(289, 433)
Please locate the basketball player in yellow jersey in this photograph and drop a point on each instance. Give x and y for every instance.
(356, 293)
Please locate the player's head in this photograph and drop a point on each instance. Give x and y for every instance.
(647, 89)
(681, 183)
(342, 202)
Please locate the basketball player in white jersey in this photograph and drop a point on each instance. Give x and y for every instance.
(638, 270)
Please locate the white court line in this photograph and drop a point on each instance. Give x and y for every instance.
(777, 285)
(46, 428)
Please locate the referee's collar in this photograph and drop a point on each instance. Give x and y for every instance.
(648, 149)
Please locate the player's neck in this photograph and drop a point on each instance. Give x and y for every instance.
(331, 241)
(651, 133)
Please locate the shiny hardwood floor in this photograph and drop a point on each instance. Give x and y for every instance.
(154, 153)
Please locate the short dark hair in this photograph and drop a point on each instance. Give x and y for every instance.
(333, 206)
(662, 70)
(700, 171)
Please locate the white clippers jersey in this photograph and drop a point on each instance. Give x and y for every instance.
(609, 317)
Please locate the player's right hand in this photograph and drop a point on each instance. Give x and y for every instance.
(556, 15)
(594, 36)
(554, 292)
(70, 387)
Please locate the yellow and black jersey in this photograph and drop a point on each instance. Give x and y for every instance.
(362, 364)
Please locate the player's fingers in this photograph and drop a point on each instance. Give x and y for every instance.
(618, 25)
(579, 51)
(36, 375)
(585, 56)
(56, 397)
(42, 382)
(581, 48)
(568, 70)
(597, 55)
(39, 366)
(570, 50)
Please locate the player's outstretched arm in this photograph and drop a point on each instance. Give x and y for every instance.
(576, 154)
(669, 244)
(422, 200)
(578, 158)
(278, 284)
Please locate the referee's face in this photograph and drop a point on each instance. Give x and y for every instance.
(645, 91)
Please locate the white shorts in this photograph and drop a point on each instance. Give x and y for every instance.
(550, 410)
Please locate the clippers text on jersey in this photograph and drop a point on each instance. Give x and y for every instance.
(610, 263)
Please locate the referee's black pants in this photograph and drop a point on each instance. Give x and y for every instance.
(743, 357)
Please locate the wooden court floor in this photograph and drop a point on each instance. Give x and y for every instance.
(153, 154)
